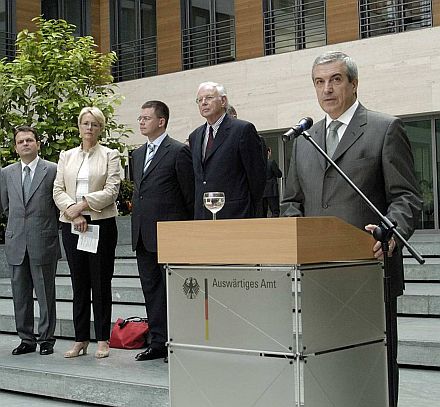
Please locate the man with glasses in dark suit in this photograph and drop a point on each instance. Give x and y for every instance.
(227, 157)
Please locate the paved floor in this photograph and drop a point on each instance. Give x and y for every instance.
(85, 379)
(20, 400)
(418, 388)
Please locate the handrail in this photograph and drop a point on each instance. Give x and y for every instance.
(136, 59)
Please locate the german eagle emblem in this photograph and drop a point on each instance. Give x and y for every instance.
(191, 288)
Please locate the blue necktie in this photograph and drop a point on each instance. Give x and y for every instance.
(150, 155)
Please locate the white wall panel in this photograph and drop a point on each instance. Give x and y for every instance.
(399, 74)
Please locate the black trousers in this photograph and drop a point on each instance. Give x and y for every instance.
(92, 272)
(153, 281)
(272, 203)
(394, 339)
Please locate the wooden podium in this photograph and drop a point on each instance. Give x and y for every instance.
(280, 312)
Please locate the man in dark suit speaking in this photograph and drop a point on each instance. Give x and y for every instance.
(371, 148)
(163, 190)
(227, 157)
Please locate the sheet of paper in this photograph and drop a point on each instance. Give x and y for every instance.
(88, 241)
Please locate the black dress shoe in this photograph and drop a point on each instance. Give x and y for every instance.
(165, 359)
(24, 348)
(152, 353)
(46, 348)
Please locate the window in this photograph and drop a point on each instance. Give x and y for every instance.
(133, 38)
(290, 25)
(393, 16)
(208, 37)
(75, 12)
(436, 190)
(7, 35)
(420, 135)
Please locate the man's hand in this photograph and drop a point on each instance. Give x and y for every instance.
(377, 248)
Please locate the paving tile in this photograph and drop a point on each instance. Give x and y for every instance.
(118, 380)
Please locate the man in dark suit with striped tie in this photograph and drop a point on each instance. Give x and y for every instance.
(163, 190)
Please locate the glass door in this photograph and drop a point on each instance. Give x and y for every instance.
(420, 136)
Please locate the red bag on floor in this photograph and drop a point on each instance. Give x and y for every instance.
(129, 333)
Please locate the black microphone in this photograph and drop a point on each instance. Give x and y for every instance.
(303, 125)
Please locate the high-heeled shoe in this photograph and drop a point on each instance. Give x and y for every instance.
(103, 350)
(79, 348)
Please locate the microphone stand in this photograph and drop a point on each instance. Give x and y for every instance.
(382, 233)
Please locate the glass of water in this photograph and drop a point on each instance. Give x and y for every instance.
(214, 201)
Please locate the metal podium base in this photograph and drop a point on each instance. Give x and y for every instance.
(276, 336)
(211, 378)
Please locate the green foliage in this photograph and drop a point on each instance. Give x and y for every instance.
(124, 197)
(52, 78)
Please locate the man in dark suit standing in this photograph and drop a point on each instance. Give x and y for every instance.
(372, 149)
(31, 241)
(163, 190)
(227, 157)
(271, 195)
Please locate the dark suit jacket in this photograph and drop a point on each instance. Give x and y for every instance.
(272, 173)
(164, 192)
(376, 154)
(235, 165)
(34, 226)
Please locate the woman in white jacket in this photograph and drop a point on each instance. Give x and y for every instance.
(85, 191)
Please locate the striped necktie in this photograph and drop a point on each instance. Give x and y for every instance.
(150, 155)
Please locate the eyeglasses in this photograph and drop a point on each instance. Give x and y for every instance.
(144, 118)
(207, 99)
(93, 125)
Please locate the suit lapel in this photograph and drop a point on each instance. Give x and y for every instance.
(222, 134)
(138, 164)
(17, 180)
(352, 132)
(40, 173)
(198, 145)
(160, 153)
(319, 137)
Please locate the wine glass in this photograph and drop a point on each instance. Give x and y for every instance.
(214, 201)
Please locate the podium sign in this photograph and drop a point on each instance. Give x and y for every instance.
(231, 307)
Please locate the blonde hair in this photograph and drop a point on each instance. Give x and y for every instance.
(95, 112)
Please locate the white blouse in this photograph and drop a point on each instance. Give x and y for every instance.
(82, 181)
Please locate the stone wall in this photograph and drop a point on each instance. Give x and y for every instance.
(397, 75)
